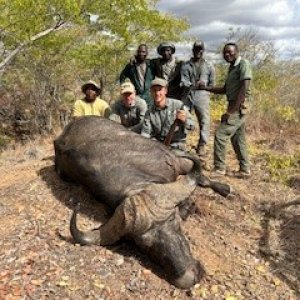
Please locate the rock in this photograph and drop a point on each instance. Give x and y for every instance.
(294, 181)
(119, 261)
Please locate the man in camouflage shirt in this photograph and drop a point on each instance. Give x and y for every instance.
(167, 66)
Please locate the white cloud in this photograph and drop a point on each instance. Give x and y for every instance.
(277, 21)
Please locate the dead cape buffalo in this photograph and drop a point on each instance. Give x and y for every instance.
(139, 179)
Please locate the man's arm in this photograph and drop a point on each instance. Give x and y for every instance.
(115, 113)
(125, 73)
(142, 106)
(211, 76)
(107, 112)
(189, 123)
(183, 116)
(77, 110)
(235, 106)
(185, 81)
(146, 126)
(211, 89)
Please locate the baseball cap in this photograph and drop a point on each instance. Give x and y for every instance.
(127, 87)
(159, 81)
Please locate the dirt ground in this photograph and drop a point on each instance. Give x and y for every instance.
(248, 252)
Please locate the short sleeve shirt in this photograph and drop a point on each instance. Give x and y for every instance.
(95, 108)
(238, 72)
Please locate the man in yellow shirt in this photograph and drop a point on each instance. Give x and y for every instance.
(91, 104)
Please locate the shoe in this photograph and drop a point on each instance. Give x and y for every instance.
(242, 174)
(201, 150)
(218, 173)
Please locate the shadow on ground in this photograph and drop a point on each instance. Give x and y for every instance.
(70, 194)
(280, 242)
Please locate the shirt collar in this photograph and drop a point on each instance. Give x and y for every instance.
(237, 61)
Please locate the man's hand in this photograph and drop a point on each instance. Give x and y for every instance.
(200, 85)
(181, 116)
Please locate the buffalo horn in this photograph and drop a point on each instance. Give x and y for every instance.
(108, 234)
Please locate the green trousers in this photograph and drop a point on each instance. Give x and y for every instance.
(233, 129)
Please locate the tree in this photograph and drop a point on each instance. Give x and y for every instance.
(47, 48)
(23, 22)
(252, 47)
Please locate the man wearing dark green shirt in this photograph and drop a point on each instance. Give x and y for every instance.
(237, 90)
(139, 72)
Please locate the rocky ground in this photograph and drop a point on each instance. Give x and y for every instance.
(248, 252)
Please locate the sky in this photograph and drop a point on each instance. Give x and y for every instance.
(274, 20)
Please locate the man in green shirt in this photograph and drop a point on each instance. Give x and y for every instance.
(91, 104)
(237, 90)
(163, 113)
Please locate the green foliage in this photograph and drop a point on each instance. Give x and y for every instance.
(123, 22)
(4, 141)
(282, 166)
(50, 47)
(260, 53)
(217, 107)
(265, 80)
(275, 85)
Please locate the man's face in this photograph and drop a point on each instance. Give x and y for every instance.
(198, 52)
(166, 53)
(141, 53)
(230, 53)
(128, 99)
(90, 93)
(159, 95)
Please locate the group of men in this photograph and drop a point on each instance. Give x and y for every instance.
(157, 97)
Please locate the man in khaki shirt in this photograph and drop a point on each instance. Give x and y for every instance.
(91, 104)
(129, 109)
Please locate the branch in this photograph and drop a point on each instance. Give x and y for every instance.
(21, 46)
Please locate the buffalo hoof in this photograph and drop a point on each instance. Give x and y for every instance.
(191, 276)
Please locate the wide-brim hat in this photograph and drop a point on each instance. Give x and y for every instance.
(199, 44)
(165, 45)
(90, 83)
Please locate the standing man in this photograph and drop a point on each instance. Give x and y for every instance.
(139, 72)
(91, 104)
(130, 109)
(237, 90)
(168, 67)
(163, 113)
(198, 68)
